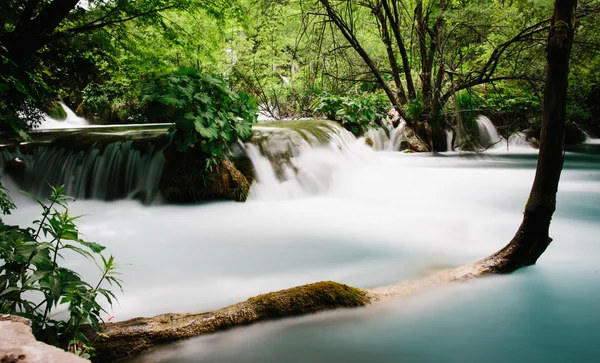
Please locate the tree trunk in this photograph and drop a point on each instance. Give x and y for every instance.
(394, 22)
(385, 36)
(426, 58)
(33, 34)
(532, 239)
(333, 15)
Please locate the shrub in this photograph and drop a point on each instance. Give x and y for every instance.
(33, 283)
(206, 113)
(414, 108)
(356, 114)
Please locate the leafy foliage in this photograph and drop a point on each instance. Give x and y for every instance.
(414, 108)
(356, 114)
(467, 111)
(206, 113)
(34, 285)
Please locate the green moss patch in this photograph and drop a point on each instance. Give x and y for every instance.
(56, 111)
(321, 130)
(309, 298)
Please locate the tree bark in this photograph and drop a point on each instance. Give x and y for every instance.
(426, 58)
(385, 36)
(351, 38)
(31, 35)
(394, 22)
(532, 237)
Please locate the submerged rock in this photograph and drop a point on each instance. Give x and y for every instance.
(18, 345)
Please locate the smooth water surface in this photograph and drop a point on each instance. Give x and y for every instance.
(377, 219)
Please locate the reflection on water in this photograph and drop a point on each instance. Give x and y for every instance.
(385, 217)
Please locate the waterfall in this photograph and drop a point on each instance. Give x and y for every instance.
(488, 135)
(72, 121)
(114, 171)
(449, 137)
(518, 139)
(383, 142)
(397, 136)
(286, 165)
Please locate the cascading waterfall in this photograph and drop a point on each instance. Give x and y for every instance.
(396, 137)
(518, 139)
(449, 140)
(488, 135)
(309, 171)
(289, 161)
(115, 171)
(72, 121)
(383, 142)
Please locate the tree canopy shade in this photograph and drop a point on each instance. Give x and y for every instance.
(437, 62)
(43, 42)
(437, 48)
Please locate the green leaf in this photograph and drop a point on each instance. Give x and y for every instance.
(95, 247)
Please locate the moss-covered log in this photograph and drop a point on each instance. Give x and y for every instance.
(127, 338)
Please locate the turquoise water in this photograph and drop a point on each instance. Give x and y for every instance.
(546, 313)
(378, 218)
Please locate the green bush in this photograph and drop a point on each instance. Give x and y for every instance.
(356, 114)
(115, 101)
(33, 283)
(516, 103)
(414, 108)
(206, 113)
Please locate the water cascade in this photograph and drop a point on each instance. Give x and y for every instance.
(294, 163)
(116, 170)
(378, 218)
(388, 137)
(518, 139)
(488, 135)
(72, 121)
(449, 140)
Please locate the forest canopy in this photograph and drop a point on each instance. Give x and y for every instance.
(438, 62)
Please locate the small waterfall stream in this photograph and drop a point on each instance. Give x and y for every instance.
(117, 171)
(72, 121)
(488, 135)
(293, 167)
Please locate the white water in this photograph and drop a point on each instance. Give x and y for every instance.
(383, 142)
(366, 219)
(488, 135)
(72, 121)
(518, 140)
(115, 171)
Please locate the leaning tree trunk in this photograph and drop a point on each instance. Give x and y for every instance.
(531, 240)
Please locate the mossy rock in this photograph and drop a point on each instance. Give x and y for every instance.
(56, 111)
(186, 180)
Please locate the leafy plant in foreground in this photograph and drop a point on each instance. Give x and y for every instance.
(206, 113)
(34, 285)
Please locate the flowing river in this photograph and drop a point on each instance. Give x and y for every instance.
(366, 219)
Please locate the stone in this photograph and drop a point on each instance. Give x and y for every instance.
(18, 345)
